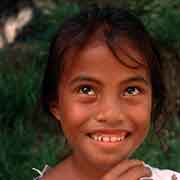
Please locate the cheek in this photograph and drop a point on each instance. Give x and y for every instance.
(74, 118)
(75, 115)
(142, 116)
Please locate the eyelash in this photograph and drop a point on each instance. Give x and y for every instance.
(137, 91)
(88, 88)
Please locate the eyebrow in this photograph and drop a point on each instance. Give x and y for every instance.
(84, 78)
(137, 78)
(93, 79)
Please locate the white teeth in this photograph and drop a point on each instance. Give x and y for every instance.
(105, 138)
(95, 138)
(99, 138)
(121, 138)
(113, 139)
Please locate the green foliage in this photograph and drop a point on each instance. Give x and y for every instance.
(46, 24)
(152, 151)
(21, 69)
(19, 84)
(163, 19)
(23, 139)
(20, 152)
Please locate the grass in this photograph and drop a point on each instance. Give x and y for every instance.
(28, 138)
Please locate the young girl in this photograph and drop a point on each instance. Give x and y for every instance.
(103, 84)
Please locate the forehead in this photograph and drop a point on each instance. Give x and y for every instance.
(124, 50)
(96, 58)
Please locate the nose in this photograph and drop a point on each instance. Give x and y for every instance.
(111, 111)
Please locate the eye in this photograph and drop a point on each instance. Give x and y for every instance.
(132, 91)
(87, 90)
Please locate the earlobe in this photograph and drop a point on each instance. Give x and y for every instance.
(55, 111)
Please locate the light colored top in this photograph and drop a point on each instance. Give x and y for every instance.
(157, 174)
(41, 173)
(163, 174)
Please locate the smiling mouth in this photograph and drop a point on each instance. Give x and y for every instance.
(108, 138)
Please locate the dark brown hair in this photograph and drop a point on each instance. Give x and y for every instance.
(117, 23)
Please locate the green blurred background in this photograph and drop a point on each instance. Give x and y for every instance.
(28, 138)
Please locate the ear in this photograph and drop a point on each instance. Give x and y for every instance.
(55, 110)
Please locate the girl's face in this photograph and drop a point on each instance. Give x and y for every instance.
(103, 106)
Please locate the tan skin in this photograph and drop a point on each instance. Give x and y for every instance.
(99, 96)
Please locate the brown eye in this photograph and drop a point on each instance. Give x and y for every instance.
(88, 90)
(132, 91)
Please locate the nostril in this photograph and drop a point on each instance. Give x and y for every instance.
(102, 120)
(100, 117)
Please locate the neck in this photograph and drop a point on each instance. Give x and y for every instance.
(84, 170)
